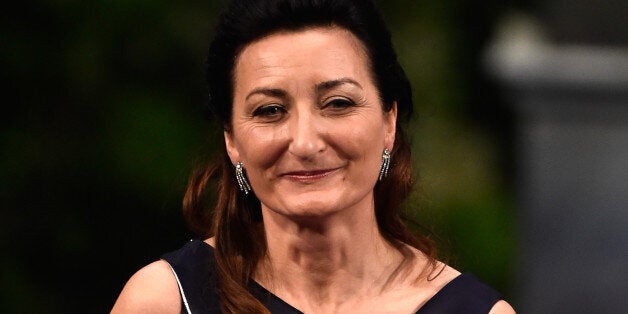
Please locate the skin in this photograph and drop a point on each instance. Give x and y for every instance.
(309, 128)
(307, 123)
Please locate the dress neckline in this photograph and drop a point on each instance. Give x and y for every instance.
(285, 307)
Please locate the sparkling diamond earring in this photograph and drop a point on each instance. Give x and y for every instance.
(383, 171)
(243, 183)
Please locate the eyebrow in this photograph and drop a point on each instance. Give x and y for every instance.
(322, 86)
(327, 85)
(273, 92)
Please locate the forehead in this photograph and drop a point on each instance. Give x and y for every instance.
(322, 51)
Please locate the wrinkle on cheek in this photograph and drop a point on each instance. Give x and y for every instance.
(364, 117)
(265, 143)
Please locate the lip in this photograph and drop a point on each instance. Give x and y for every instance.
(309, 176)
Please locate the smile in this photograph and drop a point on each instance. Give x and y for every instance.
(309, 176)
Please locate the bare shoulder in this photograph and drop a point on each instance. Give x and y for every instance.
(424, 279)
(152, 289)
(442, 274)
(502, 307)
(436, 274)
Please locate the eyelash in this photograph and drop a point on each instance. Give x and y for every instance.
(275, 110)
(268, 110)
(343, 102)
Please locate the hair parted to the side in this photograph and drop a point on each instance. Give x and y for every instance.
(235, 219)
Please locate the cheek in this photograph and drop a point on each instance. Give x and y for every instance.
(362, 148)
(359, 141)
(262, 145)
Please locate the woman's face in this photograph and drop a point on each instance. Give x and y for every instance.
(308, 124)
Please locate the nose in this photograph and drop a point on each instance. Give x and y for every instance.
(306, 139)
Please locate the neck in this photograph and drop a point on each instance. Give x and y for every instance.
(326, 260)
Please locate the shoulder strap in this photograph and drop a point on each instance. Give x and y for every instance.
(273, 303)
(185, 306)
(464, 294)
(194, 268)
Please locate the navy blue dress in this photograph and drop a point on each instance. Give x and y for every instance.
(194, 268)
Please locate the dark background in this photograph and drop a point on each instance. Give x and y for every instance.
(102, 124)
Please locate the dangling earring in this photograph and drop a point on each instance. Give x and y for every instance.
(383, 171)
(243, 183)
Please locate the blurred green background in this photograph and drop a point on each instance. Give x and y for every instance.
(102, 123)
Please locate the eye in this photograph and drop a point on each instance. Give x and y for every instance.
(272, 111)
(338, 103)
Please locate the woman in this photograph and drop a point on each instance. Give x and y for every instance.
(315, 168)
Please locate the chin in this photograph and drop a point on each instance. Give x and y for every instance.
(303, 207)
(300, 202)
(311, 210)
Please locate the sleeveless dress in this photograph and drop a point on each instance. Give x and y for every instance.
(194, 268)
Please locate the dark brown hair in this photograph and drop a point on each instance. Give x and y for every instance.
(235, 219)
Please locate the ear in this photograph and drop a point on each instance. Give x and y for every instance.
(232, 150)
(390, 122)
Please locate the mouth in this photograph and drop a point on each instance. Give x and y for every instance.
(309, 176)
